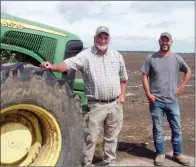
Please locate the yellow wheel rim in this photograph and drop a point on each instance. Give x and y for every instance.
(30, 136)
(11, 142)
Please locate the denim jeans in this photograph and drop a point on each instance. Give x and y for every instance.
(172, 112)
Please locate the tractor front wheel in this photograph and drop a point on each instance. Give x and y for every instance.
(40, 123)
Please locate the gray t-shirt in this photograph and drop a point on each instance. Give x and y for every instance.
(163, 72)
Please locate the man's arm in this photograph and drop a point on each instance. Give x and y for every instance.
(146, 87)
(60, 67)
(123, 79)
(77, 62)
(145, 83)
(187, 74)
(123, 85)
(183, 84)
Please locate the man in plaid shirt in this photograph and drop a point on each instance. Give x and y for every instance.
(105, 81)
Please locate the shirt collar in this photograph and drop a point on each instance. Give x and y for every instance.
(95, 51)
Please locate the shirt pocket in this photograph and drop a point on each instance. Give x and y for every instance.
(115, 67)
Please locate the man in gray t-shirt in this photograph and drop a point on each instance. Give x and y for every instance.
(160, 75)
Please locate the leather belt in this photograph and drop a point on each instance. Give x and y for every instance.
(104, 101)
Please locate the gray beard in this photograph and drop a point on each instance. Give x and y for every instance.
(102, 48)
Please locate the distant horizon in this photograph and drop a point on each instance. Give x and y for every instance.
(133, 25)
(145, 51)
(153, 52)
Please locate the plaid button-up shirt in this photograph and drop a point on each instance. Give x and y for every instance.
(101, 74)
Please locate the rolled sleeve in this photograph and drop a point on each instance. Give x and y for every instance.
(123, 72)
(146, 66)
(75, 63)
(183, 67)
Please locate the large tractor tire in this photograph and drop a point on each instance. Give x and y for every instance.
(40, 123)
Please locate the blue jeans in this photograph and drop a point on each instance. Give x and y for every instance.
(172, 112)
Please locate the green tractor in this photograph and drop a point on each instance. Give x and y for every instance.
(41, 122)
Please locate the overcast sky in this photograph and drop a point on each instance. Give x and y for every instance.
(133, 25)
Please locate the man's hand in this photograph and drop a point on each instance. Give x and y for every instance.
(47, 65)
(121, 99)
(151, 97)
(179, 90)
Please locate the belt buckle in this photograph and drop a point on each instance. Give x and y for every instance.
(111, 100)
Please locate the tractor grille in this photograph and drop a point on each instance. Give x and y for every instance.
(44, 46)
